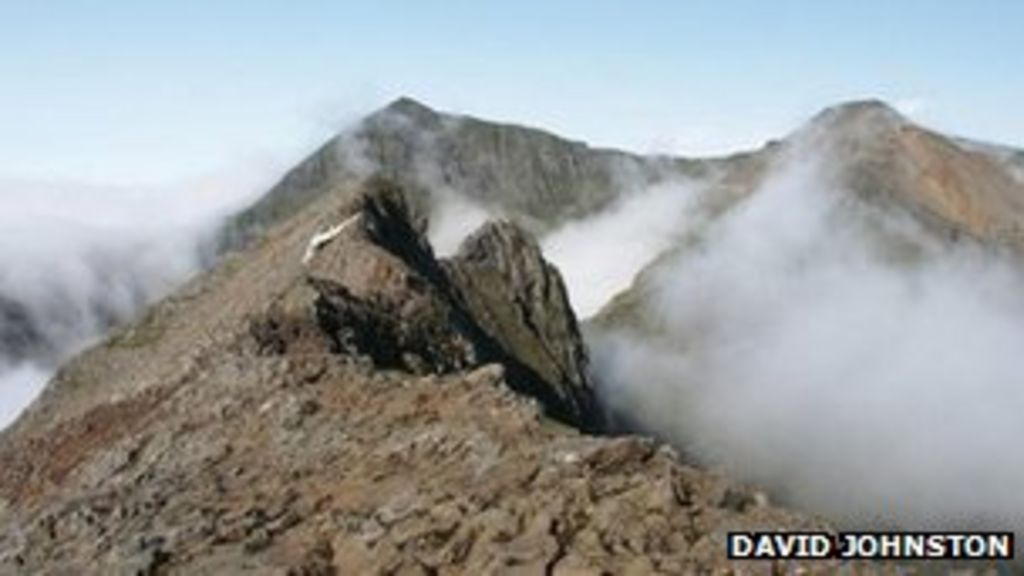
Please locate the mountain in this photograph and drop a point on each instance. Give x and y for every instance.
(844, 333)
(963, 190)
(20, 336)
(336, 399)
(534, 177)
(960, 191)
(336, 396)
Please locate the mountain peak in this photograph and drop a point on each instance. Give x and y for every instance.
(873, 114)
(410, 107)
(863, 106)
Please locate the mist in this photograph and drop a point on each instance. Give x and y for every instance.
(837, 354)
(599, 256)
(76, 260)
(453, 218)
(832, 351)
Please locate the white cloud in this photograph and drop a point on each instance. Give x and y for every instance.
(453, 218)
(599, 256)
(912, 106)
(73, 258)
(805, 351)
(19, 386)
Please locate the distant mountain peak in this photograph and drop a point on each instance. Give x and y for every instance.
(955, 189)
(410, 107)
(872, 114)
(863, 106)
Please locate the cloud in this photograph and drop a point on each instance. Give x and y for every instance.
(599, 256)
(912, 106)
(839, 355)
(75, 259)
(20, 385)
(453, 217)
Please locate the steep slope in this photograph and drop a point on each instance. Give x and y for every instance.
(891, 168)
(845, 335)
(885, 157)
(537, 178)
(337, 400)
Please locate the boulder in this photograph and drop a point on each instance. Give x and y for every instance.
(520, 300)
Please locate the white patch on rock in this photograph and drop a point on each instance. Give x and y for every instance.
(321, 239)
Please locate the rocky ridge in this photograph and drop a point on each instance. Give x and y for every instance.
(534, 177)
(337, 400)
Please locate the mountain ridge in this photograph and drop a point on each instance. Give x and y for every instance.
(216, 423)
(406, 138)
(320, 403)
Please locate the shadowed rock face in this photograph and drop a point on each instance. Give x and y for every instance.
(381, 293)
(520, 300)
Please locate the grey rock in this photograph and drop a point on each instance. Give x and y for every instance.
(538, 178)
(521, 301)
(382, 294)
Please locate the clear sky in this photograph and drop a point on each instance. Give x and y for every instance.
(118, 92)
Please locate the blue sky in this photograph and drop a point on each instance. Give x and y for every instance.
(130, 93)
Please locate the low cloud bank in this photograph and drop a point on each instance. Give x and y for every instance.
(599, 256)
(75, 260)
(839, 356)
(20, 385)
(453, 217)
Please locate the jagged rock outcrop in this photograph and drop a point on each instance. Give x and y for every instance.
(519, 299)
(380, 293)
